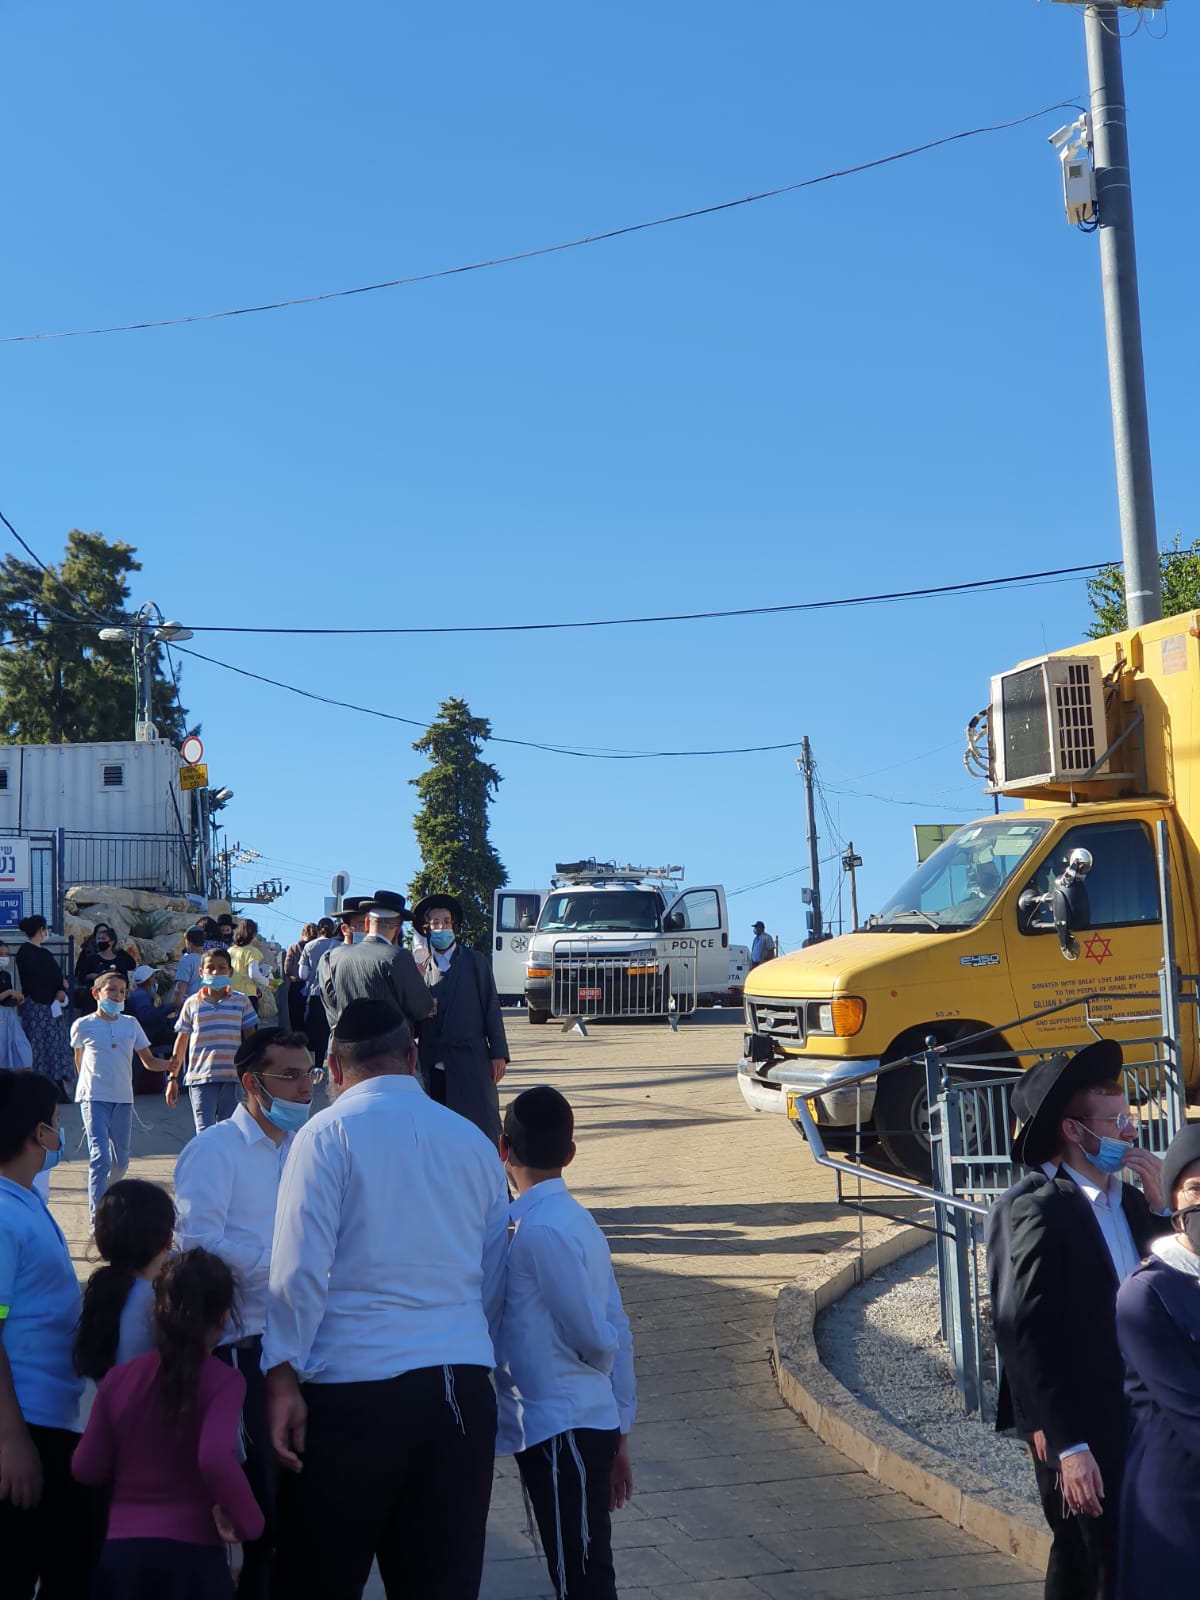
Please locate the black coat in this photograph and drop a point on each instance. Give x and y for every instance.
(1054, 1312)
(466, 1034)
(1158, 1326)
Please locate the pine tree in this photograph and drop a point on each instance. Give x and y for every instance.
(451, 826)
(60, 683)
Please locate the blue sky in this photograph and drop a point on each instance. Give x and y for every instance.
(892, 380)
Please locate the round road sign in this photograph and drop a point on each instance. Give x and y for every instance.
(192, 750)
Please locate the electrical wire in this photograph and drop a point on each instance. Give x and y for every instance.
(542, 250)
(494, 738)
(932, 591)
(896, 800)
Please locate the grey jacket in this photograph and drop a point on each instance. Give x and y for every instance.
(372, 970)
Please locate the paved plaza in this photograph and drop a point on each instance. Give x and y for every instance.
(708, 1209)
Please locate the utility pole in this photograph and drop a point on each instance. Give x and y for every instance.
(805, 765)
(849, 864)
(1122, 316)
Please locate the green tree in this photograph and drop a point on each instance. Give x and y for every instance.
(60, 683)
(452, 824)
(1180, 572)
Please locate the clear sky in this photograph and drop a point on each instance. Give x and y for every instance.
(891, 380)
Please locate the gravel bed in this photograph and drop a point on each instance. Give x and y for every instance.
(882, 1342)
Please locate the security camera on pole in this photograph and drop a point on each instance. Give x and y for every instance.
(1104, 200)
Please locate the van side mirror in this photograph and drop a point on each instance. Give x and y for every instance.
(1069, 899)
(673, 922)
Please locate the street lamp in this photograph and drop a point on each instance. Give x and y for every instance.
(147, 628)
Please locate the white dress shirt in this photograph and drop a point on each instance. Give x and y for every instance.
(390, 1240)
(565, 1355)
(226, 1184)
(1109, 1214)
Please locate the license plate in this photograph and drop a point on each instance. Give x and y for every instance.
(591, 994)
(793, 1100)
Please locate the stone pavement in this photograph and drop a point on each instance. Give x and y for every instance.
(708, 1210)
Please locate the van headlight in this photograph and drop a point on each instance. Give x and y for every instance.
(839, 1019)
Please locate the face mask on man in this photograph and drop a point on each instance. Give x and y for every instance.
(289, 1116)
(442, 938)
(51, 1158)
(1112, 1154)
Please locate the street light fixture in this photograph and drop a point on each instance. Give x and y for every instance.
(147, 628)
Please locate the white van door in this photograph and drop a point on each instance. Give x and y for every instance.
(514, 917)
(696, 925)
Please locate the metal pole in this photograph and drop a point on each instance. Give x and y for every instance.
(851, 863)
(806, 767)
(1122, 317)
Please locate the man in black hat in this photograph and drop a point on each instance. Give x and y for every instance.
(464, 1050)
(763, 948)
(374, 968)
(386, 1294)
(1059, 1244)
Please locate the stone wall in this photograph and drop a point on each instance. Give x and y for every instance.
(149, 925)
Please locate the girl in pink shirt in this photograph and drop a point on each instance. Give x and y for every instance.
(163, 1437)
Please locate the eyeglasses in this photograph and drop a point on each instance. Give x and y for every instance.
(1126, 1121)
(315, 1075)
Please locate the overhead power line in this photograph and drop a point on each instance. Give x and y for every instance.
(886, 597)
(546, 249)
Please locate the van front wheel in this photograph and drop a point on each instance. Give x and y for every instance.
(902, 1119)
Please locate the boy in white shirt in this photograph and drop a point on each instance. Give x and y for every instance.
(104, 1046)
(564, 1359)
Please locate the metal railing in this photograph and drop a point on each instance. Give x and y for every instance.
(590, 981)
(971, 1128)
(159, 861)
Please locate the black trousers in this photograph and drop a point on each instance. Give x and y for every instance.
(567, 1481)
(261, 1468)
(58, 1541)
(398, 1471)
(316, 1027)
(162, 1569)
(1083, 1554)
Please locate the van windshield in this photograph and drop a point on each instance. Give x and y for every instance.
(608, 911)
(962, 879)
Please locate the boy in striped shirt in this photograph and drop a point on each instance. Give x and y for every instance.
(211, 1026)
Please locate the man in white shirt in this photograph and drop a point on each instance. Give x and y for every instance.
(564, 1362)
(226, 1185)
(386, 1290)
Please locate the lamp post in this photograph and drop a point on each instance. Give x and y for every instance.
(147, 628)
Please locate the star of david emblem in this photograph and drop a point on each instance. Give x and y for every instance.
(1097, 949)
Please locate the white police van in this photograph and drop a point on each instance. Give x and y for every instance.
(609, 941)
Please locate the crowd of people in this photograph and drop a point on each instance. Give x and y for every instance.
(307, 1358)
(1096, 1309)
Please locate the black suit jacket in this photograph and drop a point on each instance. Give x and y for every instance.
(1054, 1294)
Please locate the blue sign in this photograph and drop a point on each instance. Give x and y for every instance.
(12, 909)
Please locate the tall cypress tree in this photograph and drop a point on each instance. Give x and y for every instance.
(457, 857)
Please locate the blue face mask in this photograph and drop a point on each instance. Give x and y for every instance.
(289, 1116)
(51, 1158)
(1112, 1153)
(110, 1008)
(218, 982)
(442, 938)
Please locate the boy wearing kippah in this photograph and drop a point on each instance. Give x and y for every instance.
(564, 1358)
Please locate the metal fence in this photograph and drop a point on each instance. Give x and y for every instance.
(971, 1127)
(158, 861)
(590, 981)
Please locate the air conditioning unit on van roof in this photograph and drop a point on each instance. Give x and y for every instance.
(1048, 723)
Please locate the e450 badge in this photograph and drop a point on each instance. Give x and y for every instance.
(979, 961)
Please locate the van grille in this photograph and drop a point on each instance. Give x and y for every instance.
(777, 1019)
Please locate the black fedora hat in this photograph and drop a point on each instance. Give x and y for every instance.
(388, 902)
(437, 902)
(1042, 1096)
(354, 905)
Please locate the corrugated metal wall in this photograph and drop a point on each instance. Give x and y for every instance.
(120, 788)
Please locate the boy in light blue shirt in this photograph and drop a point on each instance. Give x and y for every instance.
(564, 1359)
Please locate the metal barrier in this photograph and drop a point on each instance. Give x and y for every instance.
(971, 1127)
(158, 861)
(592, 981)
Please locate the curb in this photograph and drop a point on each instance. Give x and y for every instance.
(967, 1501)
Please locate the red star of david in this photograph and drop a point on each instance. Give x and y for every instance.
(1097, 948)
